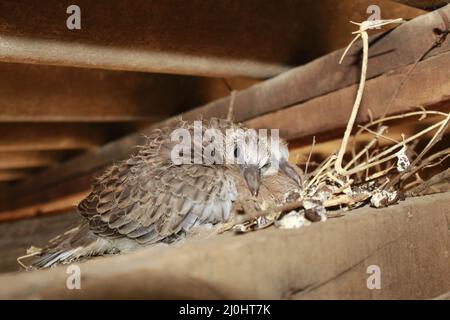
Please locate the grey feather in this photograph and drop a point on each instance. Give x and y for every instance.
(147, 199)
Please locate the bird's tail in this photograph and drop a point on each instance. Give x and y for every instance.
(75, 244)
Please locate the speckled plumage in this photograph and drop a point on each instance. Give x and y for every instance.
(147, 199)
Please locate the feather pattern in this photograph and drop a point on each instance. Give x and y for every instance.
(148, 199)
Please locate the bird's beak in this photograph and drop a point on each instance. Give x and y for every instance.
(289, 171)
(251, 175)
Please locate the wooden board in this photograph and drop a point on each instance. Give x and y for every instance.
(424, 4)
(33, 159)
(36, 93)
(409, 242)
(388, 51)
(18, 236)
(427, 86)
(222, 38)
(19, 136)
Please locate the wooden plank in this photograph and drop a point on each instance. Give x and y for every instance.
(61, 204)
(445, 296)
(86, 164)
(32, 93)
(400, 48)
(58, 136)
(32, 231)
(388, 51)
(428, 86)
(64, 196)
(13, 174)
(33, 159)
(424, 4)
(329, 260)
(209, 38)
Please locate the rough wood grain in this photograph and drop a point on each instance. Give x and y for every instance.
(58, 136)
(388, 51)
(16, 237)
(409, 242)
(32, 93)
(250, 38)
(427, 86)
(13, 174)
(424, 4)
(33, 159)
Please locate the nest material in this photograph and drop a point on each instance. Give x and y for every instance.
(374, 175)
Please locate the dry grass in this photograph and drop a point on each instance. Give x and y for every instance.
(376, 174)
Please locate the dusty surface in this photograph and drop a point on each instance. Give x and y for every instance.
(16, 237)
(410, 243)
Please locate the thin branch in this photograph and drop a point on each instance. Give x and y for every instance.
(438, 178)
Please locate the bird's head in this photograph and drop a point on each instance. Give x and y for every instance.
(257, 157)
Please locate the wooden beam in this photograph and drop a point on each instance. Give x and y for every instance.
(57, 136)
(31, 231)
(13, 174)
(424, 4)
(73, 176)
(32, 93)
(33, 159)
(327, 260)
(60, 204)
(24, 50)
(427, 86)
(395, 50)
(209, 38)
(63, 196)
(388, 51)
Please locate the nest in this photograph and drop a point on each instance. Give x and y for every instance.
(372, 173)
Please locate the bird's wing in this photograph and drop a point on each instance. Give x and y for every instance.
(151, 203)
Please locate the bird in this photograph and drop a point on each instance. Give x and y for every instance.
(152, 197)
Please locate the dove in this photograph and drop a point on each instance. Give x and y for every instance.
(152, 197)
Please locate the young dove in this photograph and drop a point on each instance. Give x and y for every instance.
(150, 199)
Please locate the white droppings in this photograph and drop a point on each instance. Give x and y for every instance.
(292, 220)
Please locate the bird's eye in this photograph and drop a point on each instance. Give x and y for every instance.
(236, 152)
(266, 166)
